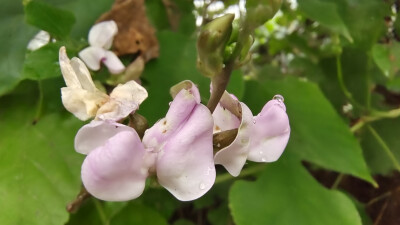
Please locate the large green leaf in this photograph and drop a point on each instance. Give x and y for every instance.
(286, 194)
(39, 169)
(387, 58)
(56, 21)
(318, 133)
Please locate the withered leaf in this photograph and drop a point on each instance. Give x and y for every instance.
(135, 33)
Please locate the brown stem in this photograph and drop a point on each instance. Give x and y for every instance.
(219, 83)
(80, 198)
(224, 138)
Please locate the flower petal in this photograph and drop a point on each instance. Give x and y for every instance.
(233, 157)
(224, 119)
(96, 133)
(83, 74)
(68, 72)
(178, 113)
(39, 40)
(185, 165)
(270, 133)
(92, 56)
(102, 34)
(113, 63)
(82, 103)
(115, 171)
(124, 100)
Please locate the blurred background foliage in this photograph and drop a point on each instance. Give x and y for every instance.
(336, 62)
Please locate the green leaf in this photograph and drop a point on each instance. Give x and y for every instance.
(56, 21)
(138, 214)
(318, 134)
(387, 58)
(378, 160)
(325, 13)
(177, 62)
(42, 63)
(14, 37)
(39, 167)
(287, 194)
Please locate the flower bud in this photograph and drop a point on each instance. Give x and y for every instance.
(211, 45)
(260, 11)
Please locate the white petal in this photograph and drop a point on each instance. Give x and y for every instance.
(68, 72)
(39, 40)
(82, 103)
(233, 157)
(115, 171)
(83, 75)
(270, 133)
(96, 133)
(224, 119)
(124, 100)
(92, 56)
(102, 34)
(113, 63)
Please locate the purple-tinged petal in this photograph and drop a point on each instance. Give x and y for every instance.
(113, 63)
(233, 157)
(179, 112)
(270, 133)
(96, 134)
(92, 56)
(102, 34)
(115, 171)
(185, 165)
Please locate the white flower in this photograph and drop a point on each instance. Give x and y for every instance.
(84, 100)
(39, 40)
(101, 37)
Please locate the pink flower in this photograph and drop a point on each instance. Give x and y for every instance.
(262, 138)
(178, 149)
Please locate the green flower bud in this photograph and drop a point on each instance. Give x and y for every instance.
(260, 11)
(211, 45)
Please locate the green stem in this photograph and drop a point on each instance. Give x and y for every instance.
(339, 179)
(101, 212)
(339, 72)
(375, 115)
(246, 172)
(385, 147)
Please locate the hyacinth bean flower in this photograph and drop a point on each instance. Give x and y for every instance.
(84, 100)
(178, 149)
(262, 138)
(101, 37)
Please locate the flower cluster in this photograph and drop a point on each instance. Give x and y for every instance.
(178, 149)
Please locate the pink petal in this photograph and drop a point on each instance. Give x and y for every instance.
(102, 34)
(115, 170)
(179, 112)
(96, 134)
(183, 141)
(270, 133)
(233, 157)
(185, 165)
